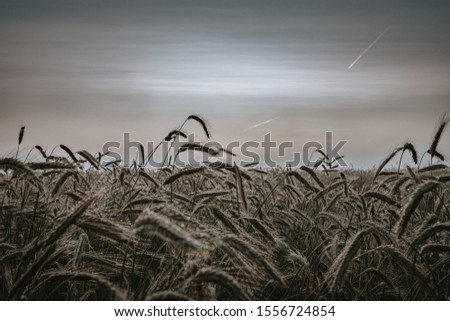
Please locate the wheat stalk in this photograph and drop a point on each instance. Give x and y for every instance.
(62, 277)
(201, 122)
(17, 166)
(91, 159)
(328, 189)
(152, 223)
(210, 194)
(167, 296)
(337, 270)
(437, 136)
(224, 219)
(61, 181)
(386, 160)
(432, 168)
(313, 174)
(240, 183)
(19, 286)
(412, 204)
(69, 152)
(429, 232)
(381, 197)
(224, 280)
(41, 151)
(253, 255)
(21, 134)
(303, 181)
(182, 173)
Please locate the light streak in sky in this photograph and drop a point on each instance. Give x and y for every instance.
(368, 48)
(260, 124)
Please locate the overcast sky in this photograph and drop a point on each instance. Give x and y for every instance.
(83, 72)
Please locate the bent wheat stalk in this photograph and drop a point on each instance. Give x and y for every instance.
(412, 204)
(152, 223)
(336, 272)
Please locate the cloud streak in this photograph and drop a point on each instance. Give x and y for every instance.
(368, 48)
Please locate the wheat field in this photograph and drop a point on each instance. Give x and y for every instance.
(73, 228)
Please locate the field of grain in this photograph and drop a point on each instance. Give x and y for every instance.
(74, 229)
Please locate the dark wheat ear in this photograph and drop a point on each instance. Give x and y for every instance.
(21, 133)
(195, 146)
(141, 153)
(410, 147)
(69, 152)
(226, 151)
(439, 155)
(436, 154)
(432, 151)
(412, 150)
(173, 134)
(41, 150)
(201, 122)
(16, 165)
(88, 156)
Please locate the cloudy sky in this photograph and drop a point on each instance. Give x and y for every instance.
(84, 72)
